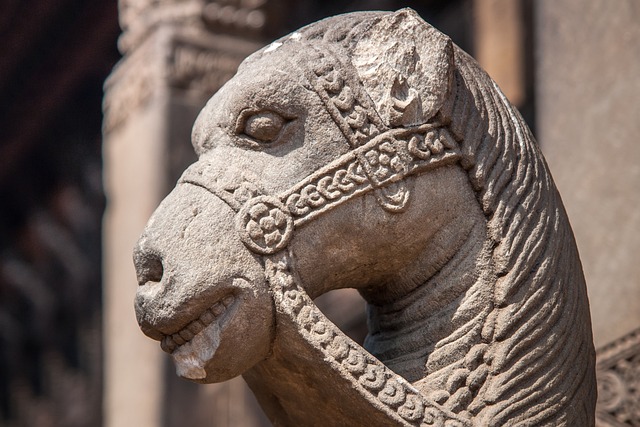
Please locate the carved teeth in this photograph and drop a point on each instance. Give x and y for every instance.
(196, 326)
(217, 309)
(178, 339)
(171, 342)
(186, 334)
(168, 344)
(207, 317)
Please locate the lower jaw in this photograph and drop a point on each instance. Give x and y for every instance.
(191, 358)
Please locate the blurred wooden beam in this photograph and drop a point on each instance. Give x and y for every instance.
(49, 86)
(21, 26)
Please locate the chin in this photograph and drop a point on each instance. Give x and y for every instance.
(230, 343)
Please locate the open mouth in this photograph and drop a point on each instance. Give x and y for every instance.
(171, 342)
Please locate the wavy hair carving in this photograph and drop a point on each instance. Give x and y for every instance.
(539, 324)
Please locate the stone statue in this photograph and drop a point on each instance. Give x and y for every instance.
(367, 151)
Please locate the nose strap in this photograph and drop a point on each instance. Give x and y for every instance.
(266, 223)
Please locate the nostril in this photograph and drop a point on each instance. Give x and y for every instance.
(149, 267)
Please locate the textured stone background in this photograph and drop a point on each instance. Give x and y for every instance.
(588, 124)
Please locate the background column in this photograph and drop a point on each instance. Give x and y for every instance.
(588, 93)
(176, 55)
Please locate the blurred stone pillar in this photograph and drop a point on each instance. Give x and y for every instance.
(177, 53)
(588, 98)
(498, 44)
(588, 93)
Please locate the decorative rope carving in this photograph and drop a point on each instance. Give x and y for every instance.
(618, 372)
(402, 402)
(343, 96)
(266, 224)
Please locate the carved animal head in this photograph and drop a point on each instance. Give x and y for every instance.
(376, 155)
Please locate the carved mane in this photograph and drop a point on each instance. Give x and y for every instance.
(539, 324)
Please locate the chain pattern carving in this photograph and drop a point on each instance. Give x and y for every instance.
(400, 400)
(266, 224)
(343, 96)
(618, 372)
(388, 158)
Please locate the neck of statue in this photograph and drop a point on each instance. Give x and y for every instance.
(311, 357)
(293, 386)
(426, 332)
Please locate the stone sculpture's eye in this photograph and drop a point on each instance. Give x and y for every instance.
(264, 126)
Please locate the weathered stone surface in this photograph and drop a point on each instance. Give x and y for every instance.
(367, 151)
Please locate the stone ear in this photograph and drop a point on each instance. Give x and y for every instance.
(405, 66)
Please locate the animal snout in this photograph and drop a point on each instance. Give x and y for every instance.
(149, 266)
(149, 270)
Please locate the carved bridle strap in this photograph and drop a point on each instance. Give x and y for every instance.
(351, 108)
(400, 401)
(266, 223)
(344, 97)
